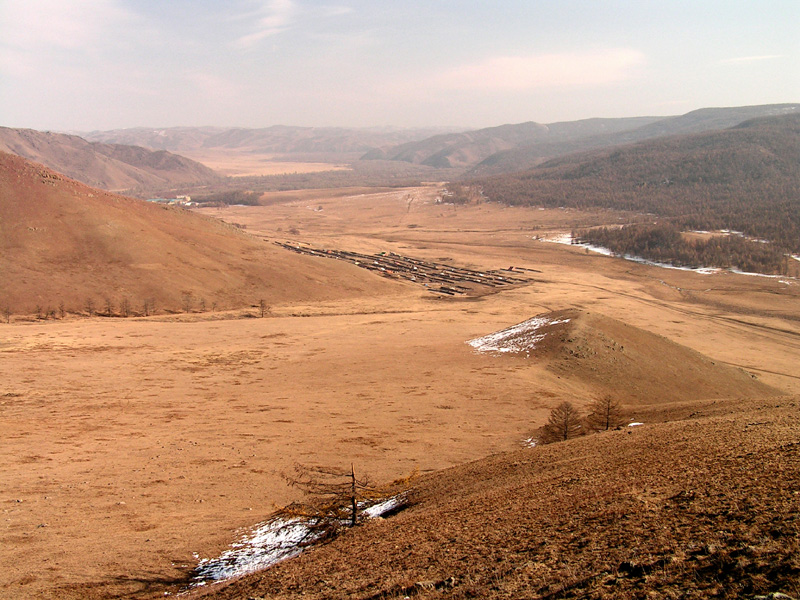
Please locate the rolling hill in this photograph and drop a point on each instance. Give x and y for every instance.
(511, 148)
(697, 121)
(107, 166)
(692, 503)
(461, 150)
(279, 139)
(744, 179)
(64, 243)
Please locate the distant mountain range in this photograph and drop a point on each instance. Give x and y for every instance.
(697, 121)
(510, 148)
(141, 160)
(744, 178)
(279, 139)
(108, 166)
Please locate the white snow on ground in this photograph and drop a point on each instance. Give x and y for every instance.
(522, 337)
(381, 508)
(271, 542)
(635, 424)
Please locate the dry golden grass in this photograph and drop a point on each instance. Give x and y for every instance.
(236, 163)
(131, 444)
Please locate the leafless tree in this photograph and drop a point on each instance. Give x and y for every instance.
(62, 310)
(333, 497)
(605, 413)
(7, 313)
(564, 423)
(125, 307)
(90, 306)
(263, 307)
(39, 311)
(188, 301)
(109, 306)
(202, 305)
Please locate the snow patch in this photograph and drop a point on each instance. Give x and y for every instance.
(522, 337)
(271, 542)
(635, 424)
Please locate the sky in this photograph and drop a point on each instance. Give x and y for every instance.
(83, 65)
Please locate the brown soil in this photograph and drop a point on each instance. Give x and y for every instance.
(130, 444)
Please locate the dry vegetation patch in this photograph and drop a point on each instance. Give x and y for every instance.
(692, 509)
(139, 441)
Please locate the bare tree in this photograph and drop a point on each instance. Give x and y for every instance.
(125, 307)
(334, 497)
(90, 306)
(263, 307)
(202, 305)
(39, 311)
(7, 313)
(564, 423)
(188, 301)
(109, 306)
(62, 310)
(605, 413)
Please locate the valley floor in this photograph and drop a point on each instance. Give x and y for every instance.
(133, 447)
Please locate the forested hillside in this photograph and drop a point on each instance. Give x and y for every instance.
(746, 179)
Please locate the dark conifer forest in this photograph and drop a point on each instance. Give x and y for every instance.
(745, 179)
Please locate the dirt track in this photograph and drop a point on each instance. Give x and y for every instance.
(129, 445)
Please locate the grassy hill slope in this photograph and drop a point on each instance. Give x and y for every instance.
(701, 507)
(64, 242)
(106, 166)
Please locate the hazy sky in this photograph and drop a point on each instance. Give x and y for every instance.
(102, 64)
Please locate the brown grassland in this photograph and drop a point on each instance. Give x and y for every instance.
(235, 163)
(133, 446)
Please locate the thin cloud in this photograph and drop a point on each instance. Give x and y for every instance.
(750, 59)
(34, 24)
(515, 73)
(275, 17)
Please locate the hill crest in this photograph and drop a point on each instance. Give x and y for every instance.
(65, 243)
(107, 166)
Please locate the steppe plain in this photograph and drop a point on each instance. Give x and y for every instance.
(135, 446)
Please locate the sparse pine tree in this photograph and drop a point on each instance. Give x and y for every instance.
(564, 423)
(605, 413)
